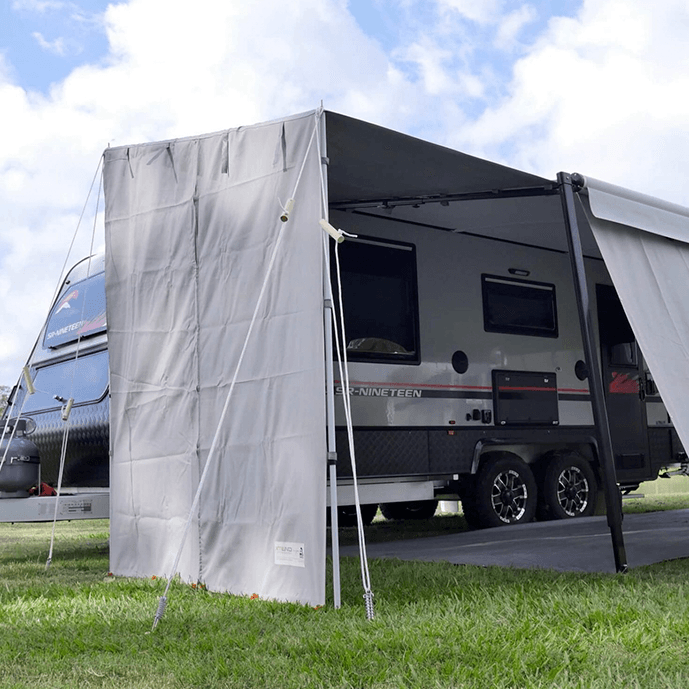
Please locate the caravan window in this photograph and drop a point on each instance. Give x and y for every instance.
(519, 307)
(380, 299)
(79, 312)
(86, 380)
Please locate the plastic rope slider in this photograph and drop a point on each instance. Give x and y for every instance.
(67, 409)
(29, 383)
(289, 206)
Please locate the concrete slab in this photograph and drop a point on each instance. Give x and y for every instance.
(578, 545)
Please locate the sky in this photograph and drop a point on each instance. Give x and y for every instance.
(593, 86)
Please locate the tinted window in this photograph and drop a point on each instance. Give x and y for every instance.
(519, 307)
(85, 381)
(79, 312)
(380, 302)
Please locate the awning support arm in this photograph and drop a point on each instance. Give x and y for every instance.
(322, 144)
(613, 502)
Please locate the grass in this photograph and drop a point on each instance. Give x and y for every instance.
(436, 625)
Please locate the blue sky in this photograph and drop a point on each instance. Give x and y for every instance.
(44, 41)
(595, 86)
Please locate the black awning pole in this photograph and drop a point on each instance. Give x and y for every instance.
(613, 503)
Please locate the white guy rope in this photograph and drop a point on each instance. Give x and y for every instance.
(57, 290)
(76, 231)
(66, 409)
(68, 406)
(344, 377)
(9, 416)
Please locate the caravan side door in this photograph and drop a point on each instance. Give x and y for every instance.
(623, 379)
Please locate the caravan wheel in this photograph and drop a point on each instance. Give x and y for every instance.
(346, 516)
(569, 487)
(505, 491)
(467, 491)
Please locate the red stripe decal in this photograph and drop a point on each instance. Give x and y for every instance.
(433, 386)
(502, 388)
(429, 386)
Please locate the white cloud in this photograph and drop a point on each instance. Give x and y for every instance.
(602, 93)
(479, 11)
(431, 62)
(57, 46)
(169, 73)
(510, 26)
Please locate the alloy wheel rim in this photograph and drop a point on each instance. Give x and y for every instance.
(573, 491)
(509, 496)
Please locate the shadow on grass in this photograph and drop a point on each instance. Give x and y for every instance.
(69, 551)
(384, 530)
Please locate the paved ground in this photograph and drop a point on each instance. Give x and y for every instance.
(575, 545)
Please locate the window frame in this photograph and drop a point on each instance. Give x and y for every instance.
(89, 283)
(409, 275)
(56, 404)
(524, 330)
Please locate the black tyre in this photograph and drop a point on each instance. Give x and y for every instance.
(471, 515)
(466, 492)
(569, 488)
(346, 516)
(417, 509)
(505, 491)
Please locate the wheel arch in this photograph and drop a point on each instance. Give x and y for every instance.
(536, 452)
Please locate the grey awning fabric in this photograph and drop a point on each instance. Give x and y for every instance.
(369, 162)
(190, 229)
(645, 245)
(631, 208)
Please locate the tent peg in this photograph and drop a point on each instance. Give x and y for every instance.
(162, 604)
(368, 601)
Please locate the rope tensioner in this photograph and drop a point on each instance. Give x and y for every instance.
(337, 235)
(289, 206)
(29, 383)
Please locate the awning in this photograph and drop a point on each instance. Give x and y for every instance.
(645, 244)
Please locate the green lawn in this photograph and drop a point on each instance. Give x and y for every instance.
(437, 625)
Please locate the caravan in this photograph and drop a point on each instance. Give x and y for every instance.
(467, 375)
(467, 371)
(467, 378)
(69, 362)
